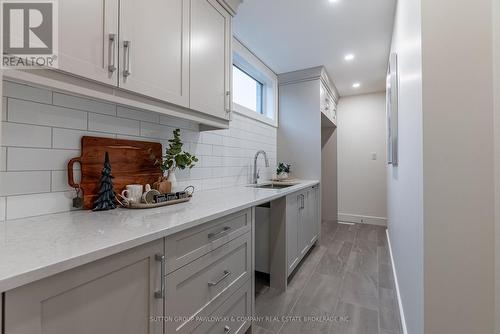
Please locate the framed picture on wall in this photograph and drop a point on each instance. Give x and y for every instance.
(392, 110)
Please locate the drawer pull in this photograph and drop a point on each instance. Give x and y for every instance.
(226, 275)
(112, 53)
(219, 234)
(161, 294)
(227, 329)
(126, 58)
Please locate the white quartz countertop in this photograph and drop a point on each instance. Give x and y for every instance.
(35, 248)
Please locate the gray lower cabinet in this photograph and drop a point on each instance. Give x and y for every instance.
(233, 316)
(115, 295)
(302, 224)
(186, 246)
(198, 289)
(179, 284)
(293, 210)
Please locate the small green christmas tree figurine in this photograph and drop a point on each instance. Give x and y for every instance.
(106, 199)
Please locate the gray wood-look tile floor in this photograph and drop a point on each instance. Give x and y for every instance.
(344, 286)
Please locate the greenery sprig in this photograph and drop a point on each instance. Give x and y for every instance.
(175, 156)
(283, 168)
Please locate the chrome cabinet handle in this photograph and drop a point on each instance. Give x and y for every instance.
(302, 205)
(161, 294)
(225, 230)
(227, 329)
(228, 108)
(226, 275)
(112, 53)
(126, 58)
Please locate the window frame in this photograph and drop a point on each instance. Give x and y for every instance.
(250, 64)
(259, 92)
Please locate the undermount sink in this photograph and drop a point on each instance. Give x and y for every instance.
(273, 186)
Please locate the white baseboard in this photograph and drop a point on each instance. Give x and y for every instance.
(350, 218)
(400, 303)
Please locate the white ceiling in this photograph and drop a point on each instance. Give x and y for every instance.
(290, 35)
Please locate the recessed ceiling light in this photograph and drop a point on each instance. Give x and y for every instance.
(356, 85)
(349, 57)
(333, 1)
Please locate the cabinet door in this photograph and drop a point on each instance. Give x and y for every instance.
(311, 216)
(292, 230)
(304, 224)
(115, 295)
(154, 49)
(210, 58)
(88, 39)
(316, 214)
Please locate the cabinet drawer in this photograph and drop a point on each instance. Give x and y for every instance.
(200, 287)
(233, 316)
(187, 246)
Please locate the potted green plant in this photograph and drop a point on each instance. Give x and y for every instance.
(176, 158)
(283, 171)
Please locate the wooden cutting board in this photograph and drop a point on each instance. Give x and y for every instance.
(132, 162)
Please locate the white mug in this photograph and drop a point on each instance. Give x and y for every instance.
(133, 193)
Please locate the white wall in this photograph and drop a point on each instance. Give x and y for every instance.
(329, 163)
(458, 166)
(496, 58)
(42, 131)
(362, 181)
(405, 183)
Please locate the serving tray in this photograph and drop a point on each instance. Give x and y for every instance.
(156, 205)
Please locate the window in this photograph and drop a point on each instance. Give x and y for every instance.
(247, 90)
(255, 86)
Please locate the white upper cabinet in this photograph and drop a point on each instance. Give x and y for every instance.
(169, 56)
(88, 39)
(210, 58)
(115, 295)
(154, 49)
(231, 5)
(302, 224)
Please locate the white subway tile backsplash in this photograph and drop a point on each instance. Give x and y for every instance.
(74, 102)
(24, 135)
(59, 180)
(182, 175)
(178, 123)
(4, 109)
(3, 159)
(39, 204)
(138, 115)
(211, 161)
(28, 112)
(104, 123)
(2, 208)
(41, 135)
(210, 138)
(151, 130)
(31, 159)
(190, 136)
(71, 139)
(210, 184)
(23, 183)
(25, 92)
(201, 149)
(198, 173)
